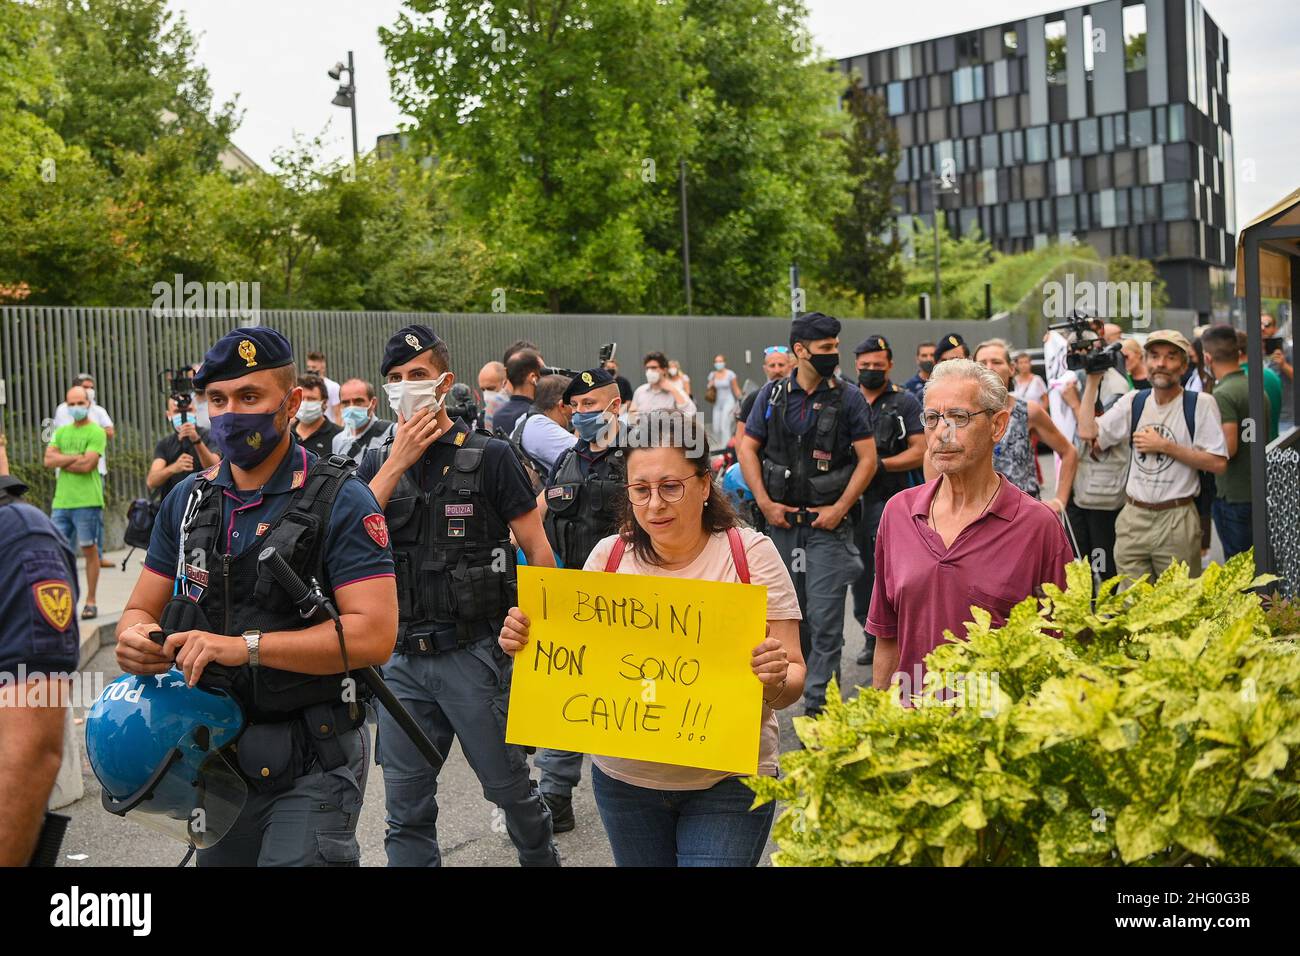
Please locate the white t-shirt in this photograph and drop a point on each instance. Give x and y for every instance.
(1031, 392)
(647, 398)
(1153, 478)
(98, 415)
(714, 563)
(332, 399)
(1059, 376)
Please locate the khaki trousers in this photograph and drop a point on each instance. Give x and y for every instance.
(1147, 542)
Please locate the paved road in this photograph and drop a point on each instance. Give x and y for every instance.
(465, 819)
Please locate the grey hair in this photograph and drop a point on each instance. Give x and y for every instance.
(993, 394)
(1003, 344)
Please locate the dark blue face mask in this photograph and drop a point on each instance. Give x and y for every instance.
(246, 439)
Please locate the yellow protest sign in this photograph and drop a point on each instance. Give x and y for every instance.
(638, 666)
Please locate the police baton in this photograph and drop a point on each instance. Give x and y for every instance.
(303, 596)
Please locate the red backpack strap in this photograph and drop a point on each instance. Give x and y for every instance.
(738, 554)
(616, 554)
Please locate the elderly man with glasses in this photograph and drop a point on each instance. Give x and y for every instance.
(969, 537)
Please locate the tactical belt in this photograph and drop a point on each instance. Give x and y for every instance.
(430, 645)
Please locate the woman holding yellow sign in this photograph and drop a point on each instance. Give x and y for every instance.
(677, 524)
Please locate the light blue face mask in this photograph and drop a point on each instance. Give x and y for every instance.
(178, 420)
(78, 412)
(589, 424)
(355, 418)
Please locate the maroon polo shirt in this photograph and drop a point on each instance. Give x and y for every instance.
(923, 588)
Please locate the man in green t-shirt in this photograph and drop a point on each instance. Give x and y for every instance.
(1272, 387)
(1232, 501)
(78, 506)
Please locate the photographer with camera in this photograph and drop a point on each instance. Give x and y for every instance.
(183, 450)
(1175, 435)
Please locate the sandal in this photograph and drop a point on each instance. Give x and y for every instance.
(89, 611)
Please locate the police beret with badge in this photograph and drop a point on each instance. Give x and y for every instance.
(872, 343)
(588, 381)
(241, 352)
(406, 344)
(949, 342)
(812, 326)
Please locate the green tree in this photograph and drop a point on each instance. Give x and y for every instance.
(568, 117)
(128, 77)
(767, 177)
(1132, 269)
(868, 258)
(380, 236)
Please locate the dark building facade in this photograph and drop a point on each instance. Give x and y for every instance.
(1107, 122)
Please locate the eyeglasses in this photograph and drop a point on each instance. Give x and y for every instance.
(956, 417)
(670, 490)
(783, 349)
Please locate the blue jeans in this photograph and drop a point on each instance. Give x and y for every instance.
(712, 827)
(460, 695)
(1232, 520)
(81, 526)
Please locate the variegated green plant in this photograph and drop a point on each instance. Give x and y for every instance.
(1159, 725)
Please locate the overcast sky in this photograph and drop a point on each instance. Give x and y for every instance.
(274, 54)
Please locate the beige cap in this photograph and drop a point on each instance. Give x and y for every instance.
(1171, 337)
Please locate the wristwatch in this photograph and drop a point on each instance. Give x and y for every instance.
(252, 639)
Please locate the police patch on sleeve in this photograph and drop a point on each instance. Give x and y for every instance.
(54, 601)
(377, 528)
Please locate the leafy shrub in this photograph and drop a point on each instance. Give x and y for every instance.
(1282, 614)
(1159, 728)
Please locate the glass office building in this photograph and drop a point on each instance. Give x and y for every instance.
(1107, 122)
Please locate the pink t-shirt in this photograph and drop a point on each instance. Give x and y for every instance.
(713, 564)
(923, 588)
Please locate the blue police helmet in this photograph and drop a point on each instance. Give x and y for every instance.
(156, 746)
(734, 485)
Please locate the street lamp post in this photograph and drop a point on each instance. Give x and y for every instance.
(347, 96)
(940, 185)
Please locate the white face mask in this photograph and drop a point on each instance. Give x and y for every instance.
(311, 411)
(90, 395)
(407, 398)
(652, 375)
(201, 415)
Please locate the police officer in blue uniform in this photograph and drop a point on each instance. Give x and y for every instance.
(581, 502)
(38, 639)
(453, 496)
(900, 446)
(807, 456)
(304, 751)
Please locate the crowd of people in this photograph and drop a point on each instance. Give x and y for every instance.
(815, 485)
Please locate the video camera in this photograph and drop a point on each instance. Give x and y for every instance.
(606, 354)
(1086, 348)
(180, 387)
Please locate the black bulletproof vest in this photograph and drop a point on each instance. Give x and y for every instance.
(237, 598)
(891, 439)
(809, 469)
(455, 562)
(580, 511)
